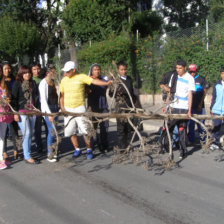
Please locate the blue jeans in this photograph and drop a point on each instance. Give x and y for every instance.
(26, 125)
(191, 126)
(49, 135)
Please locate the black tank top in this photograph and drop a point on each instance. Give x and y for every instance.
(52, 96)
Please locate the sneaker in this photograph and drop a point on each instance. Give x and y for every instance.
(52, 160)
(3, 165)
(213, 147)
(89, 154)
(77, 153)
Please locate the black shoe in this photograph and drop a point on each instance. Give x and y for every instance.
(182, 155)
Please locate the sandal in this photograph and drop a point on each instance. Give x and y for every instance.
(34, 162)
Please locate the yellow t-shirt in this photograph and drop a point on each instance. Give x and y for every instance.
(74, 90)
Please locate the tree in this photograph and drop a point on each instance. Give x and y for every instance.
(217, 10)
(185, 13)
(18, 38)
(145, 22)
(96, 21)
(45, 19)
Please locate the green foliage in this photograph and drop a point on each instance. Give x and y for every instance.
(145, 22)
(18, 38)
(45, 19)
(148, 56)
(116, 48)
(185, 13)
(97, 20)
(93, 21)
(217, 10)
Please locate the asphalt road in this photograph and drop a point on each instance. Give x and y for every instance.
(79, 191)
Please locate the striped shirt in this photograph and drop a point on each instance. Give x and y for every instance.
(185, 84)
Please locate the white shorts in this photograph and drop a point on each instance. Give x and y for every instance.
(77, 125)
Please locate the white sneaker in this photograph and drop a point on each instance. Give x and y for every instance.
(213, 147)
(52, 160)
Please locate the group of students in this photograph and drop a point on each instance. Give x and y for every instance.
(24, 94)
(28, 91)
(185, 92)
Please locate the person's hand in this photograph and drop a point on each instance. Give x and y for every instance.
(16, 118)
(163, 109)
(110, 82)
(211, 113)
(189, 114)
(50, 118)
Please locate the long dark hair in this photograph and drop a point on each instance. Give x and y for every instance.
(3, 84)
(23, 70)
(6, 63)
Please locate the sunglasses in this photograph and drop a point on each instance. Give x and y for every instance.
(192, 72)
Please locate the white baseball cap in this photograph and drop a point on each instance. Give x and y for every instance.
(69, 65)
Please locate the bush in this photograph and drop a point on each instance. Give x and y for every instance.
(114, 49)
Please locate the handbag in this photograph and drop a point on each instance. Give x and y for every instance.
(7, 118)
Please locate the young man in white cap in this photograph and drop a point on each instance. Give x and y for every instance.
(72, 99)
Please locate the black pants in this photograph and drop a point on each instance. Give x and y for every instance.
(102, 137)
(123, 133)
(11, 133)
(38, 125)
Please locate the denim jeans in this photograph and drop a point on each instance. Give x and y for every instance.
(49, 135)
(26, 125)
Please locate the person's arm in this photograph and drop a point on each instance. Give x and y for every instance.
(202, 100)
(190, 96)
(15, 99)
(98, 82)
(61, 101)
(43, 86)
(43, 91)
(164, 87)
(213, 99)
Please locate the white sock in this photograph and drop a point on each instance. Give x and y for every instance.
(77, 149)
(89, 149)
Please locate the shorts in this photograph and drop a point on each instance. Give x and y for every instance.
(77, 125)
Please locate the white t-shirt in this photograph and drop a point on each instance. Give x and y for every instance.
(185, 84)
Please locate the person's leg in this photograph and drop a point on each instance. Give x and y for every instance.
(216, 130)
(121, 133)
(14, 137)
(201, 131)
(3, 127)
(5, 154)
(103, 135)
(25, 128)
(175, 136)
(49, 135)
(85, 130)
(191, 131)
(182, 125)
(38, 126)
